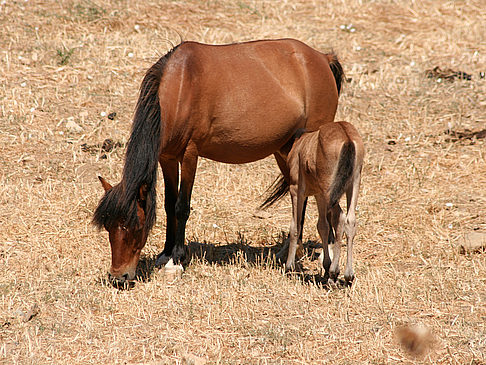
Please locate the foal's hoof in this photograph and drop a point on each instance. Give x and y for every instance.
(334, 276)
(295, 268)
(333, 284)
(349, 279)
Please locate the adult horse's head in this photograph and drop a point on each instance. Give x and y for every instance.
(127, 210)
(127, 234)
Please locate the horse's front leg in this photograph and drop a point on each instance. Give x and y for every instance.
(183, 204)
(170, 170)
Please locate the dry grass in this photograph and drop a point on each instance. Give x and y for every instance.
(61, 60)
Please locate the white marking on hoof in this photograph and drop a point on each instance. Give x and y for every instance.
(162, 260)
(169, 273)
(170, 267)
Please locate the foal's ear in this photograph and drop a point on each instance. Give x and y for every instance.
(106, 185)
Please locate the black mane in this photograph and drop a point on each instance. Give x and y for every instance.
(119, 204)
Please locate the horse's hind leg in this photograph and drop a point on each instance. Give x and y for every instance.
(337, 221)
(350, 225)
(183, 204)
(323, 229)
(170, 170)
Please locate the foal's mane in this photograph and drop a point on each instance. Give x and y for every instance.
(119, 204)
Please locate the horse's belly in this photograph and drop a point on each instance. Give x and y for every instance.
(234, 150)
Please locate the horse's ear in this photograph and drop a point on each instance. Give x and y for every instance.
(106, 185)
(142, 193)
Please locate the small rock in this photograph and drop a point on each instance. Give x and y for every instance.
(191, 359)
(261, 214)
(473, 242)
(72, 126)
(31, 313)
(112, 116)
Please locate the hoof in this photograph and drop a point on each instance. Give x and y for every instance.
(334, 276)
(348, 276)
(295, 268)
(333, 284)
(171, 272)
(162, 260)
(171, 267)
(349, 279)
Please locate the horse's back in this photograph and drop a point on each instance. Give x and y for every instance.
(242, 102)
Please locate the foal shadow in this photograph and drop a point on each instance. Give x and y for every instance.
(242, 253)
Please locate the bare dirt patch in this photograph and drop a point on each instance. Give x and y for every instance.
(79, 61)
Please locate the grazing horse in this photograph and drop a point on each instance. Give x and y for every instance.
(326, 164)
(232, 103)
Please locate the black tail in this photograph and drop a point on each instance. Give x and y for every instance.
(120, 202)
(277, 191)
(345, 170)
(337, 71)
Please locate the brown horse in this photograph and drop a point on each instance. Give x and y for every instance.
(326, 163)
(231, 103)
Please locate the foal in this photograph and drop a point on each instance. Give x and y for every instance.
(326, 163)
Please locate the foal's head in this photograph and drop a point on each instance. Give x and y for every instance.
(126, 240)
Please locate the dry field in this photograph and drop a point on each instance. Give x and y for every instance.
(65, 67)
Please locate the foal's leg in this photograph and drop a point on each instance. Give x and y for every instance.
(350, 225)
(183, 204)
(170, 170)
(323, 229)
(337, 221)
(296, 193)
(282, 165)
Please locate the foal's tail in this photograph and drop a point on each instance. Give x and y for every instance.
(280, 187)
(344, 172)
(140, 170)
(277, 191)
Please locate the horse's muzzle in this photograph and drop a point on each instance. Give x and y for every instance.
(120, 282)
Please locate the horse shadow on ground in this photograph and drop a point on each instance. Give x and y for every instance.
(238, 253)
